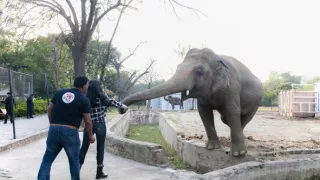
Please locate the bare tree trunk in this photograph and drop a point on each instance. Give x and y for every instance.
(79, 54)
(149, 101)
(55, 63)
(118, 84)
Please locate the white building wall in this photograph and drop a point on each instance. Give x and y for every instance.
(161, 104)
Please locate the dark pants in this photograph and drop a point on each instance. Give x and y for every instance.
(6, 116)
(100, 130)
(29, 112)
(61, 137)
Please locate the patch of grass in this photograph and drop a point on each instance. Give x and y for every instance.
(151, 133)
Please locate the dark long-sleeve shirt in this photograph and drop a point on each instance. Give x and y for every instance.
(7, 102)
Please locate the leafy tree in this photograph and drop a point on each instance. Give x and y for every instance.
(95, 58)
(83, 22)
(35, 58)
(276, 83)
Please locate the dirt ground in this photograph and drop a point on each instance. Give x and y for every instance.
(266, 132)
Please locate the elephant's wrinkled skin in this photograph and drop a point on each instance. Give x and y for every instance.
(219, 83)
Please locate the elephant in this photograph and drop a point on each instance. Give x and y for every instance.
(218, 82)
(174, 101)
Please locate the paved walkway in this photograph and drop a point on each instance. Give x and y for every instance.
(24, 127)
(23, 164)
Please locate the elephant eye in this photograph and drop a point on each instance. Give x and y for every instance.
(199, 71)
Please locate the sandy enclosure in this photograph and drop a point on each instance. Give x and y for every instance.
(266, 132)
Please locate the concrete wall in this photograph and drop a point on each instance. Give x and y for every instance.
(194, 152)
(144, 152)
(216, 164)
(204, 160)
(293, 169)
(119, 125)
(167, 129)
(144, 117)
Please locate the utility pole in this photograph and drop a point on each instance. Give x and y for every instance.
(11, 105)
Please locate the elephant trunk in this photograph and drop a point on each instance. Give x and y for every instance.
(173, 85)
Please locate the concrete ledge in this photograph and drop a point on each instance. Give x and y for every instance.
(194, 152)
(291, 152)
(144, 152)
(240, 168)
(119, 125)
(275, 170)
(24, 140)
(204, 160)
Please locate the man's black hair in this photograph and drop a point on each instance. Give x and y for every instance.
(80, 81)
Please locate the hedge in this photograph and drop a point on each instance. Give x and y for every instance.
(40, 107)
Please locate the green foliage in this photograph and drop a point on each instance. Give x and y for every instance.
(276, 83)
(35, 58)
(97, 56)
(40, 107)
(110, 79)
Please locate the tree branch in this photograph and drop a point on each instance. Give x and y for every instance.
(55, 8)
(114, 33)
(142, 74)
(76, 23)
(86, 31)
(47, 6)
(129, 80)
(83, 15)
(194, 10)
(106, 59)
(132, 53)
(95, 23)
(174, 9)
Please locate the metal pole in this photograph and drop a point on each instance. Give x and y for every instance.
(11, 105)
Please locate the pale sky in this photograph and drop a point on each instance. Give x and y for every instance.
(265, 35)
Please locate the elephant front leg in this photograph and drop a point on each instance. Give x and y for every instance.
(237, 138)
(207, 118)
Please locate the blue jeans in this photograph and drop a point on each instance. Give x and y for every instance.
(61, 137)
(100, 130)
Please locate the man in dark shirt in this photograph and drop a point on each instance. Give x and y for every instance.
(30, 106)
(65, 113)
(8, 107)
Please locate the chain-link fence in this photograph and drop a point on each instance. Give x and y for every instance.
(4, 83)
(22, 84)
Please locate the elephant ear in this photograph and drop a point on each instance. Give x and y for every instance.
(221, 76)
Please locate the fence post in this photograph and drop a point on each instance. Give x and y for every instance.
(11, 105)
